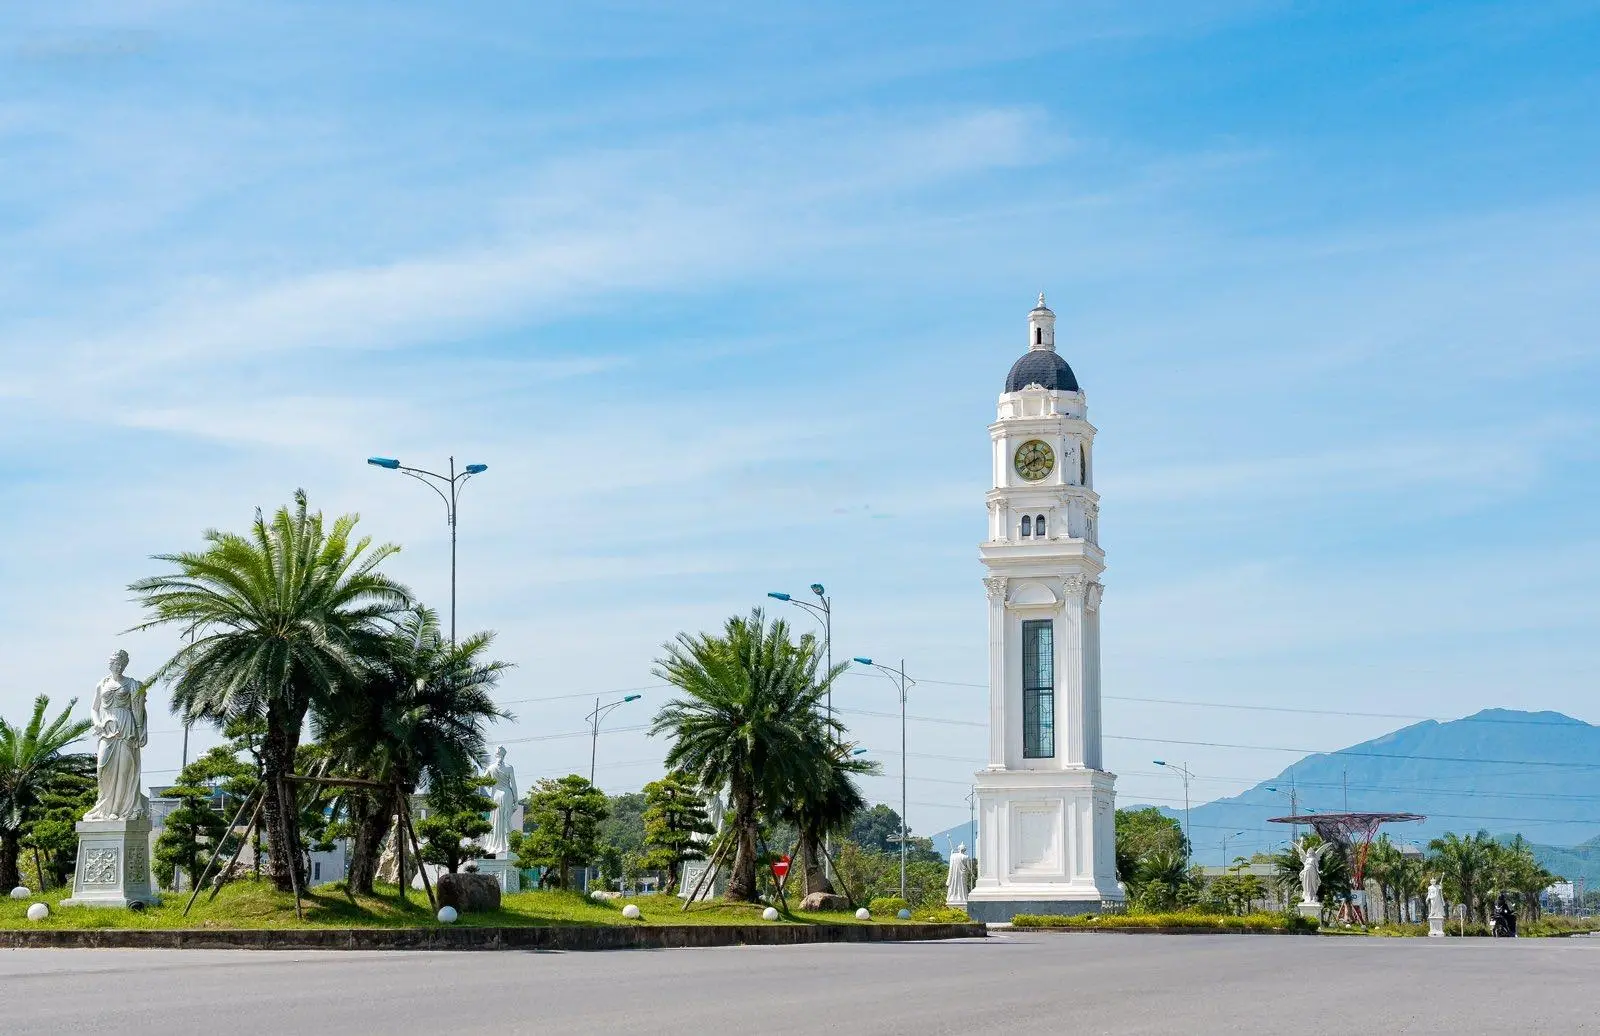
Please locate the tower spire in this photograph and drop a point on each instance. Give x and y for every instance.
(1042, 327)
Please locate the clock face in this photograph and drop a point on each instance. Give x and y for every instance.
(1035, 459)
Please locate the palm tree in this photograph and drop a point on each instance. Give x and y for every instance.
(280, 620)
(418, 713)
(1463, 864)
(750, 720)
(823, 804)
(32, 758)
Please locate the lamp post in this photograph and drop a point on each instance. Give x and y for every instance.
(824, 609)
(1225, 838)
(1184, 771)
(594, 718)
(901, 681)
(1294, 805)
(433, 480)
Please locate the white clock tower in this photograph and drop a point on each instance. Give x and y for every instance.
(1046, 811)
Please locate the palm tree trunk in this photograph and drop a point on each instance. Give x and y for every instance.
(811, 868)
(279, 811)
(742, 878)
(10, 849)
(372, 818)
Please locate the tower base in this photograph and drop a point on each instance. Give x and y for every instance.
(113, 864)
(1046, 844)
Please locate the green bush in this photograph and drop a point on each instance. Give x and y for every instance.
(1179, 919)
(887, 906)
(940, 915)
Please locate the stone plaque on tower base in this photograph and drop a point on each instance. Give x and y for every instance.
(113, 864)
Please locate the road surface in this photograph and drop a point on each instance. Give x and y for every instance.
(1023, 983)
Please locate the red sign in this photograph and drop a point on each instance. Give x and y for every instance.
(780, 867)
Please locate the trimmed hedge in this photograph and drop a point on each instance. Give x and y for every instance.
(887, 906)
(1185, 919)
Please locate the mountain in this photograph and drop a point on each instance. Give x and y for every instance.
(1580, 863)
(1509, 772)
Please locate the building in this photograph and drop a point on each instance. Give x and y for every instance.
(1046, 810)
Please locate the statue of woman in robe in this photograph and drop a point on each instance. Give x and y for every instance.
(118, 716)
(504, 796)
(955, 881)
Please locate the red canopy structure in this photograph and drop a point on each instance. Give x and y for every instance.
(1352, 832)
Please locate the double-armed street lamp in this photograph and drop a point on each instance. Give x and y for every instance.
(1187, 776)
(451, 495)
(1225, 838)
(594, 718)
(825, 610)
(902, 681)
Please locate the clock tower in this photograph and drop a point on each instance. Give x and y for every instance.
(1046, 808)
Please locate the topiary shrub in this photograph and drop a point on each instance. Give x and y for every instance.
(887, 906)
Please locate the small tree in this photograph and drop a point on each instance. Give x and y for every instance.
(565, 814)
(192, 832)
(31, 757)
(674, 814)
(454, 822)
(52, 836)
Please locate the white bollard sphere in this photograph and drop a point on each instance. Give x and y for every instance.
(769, 914)
(38, 912)
(447, 915)
(631, 912)
(20, 892)
(863, 914)
(904, 914)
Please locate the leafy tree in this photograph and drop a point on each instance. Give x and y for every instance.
(674, 814)
(281, 619)
(749, 720)
(454, 822)
(33, 758)
(418, 713)
(1141, 832)
(566, 814)
(52, 833)
(193, 831)
(877, 829)
(623, 828)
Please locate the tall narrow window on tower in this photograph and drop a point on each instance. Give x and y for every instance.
(1027, 526)
(1038, 689)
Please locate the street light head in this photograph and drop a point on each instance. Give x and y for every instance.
(777, 596)
(859, 751)
(1159, 762)
(476, 469)
(383, 462)
(863, 661)
(818, 589)
(633, 697)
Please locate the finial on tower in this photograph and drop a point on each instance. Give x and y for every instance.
(1041, 327)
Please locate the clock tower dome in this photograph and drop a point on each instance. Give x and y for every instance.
(1046, 808)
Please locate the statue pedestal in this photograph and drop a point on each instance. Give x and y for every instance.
(113, 864)
(1311, 911)
(506, 872)
(693, 871)
(1436, 927)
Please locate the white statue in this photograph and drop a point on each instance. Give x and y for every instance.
(1310, 861)
(955, 881)
(118, 716)
(504, 796)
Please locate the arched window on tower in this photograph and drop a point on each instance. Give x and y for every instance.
(1038, 526)
(1038, 336)
(1027, 526)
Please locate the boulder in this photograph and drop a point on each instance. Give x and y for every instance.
(824, 901)
(469, 892)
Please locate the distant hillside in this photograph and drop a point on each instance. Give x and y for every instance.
(1575, 863)
(1509, 772)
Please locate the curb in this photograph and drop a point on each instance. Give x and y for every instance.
(1172, 930)
(555, 937)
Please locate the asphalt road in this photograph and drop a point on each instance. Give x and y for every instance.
(1026, 983)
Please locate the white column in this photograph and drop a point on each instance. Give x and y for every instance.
(995, 586)
(1091, 692)
(1070, 725)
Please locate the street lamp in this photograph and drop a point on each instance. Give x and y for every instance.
(1225, 838)
(1186, 777)
(825, 609)
(433, 480)
(1294, 805)
(902, 681)
(594, 725)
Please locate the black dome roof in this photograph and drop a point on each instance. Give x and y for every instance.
(1041, 367)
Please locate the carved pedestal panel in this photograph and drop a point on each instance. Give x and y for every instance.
(113, 864)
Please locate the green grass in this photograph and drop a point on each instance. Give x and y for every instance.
(248, 904)
(1183, 919)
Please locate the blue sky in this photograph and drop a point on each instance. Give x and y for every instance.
(724, 297)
